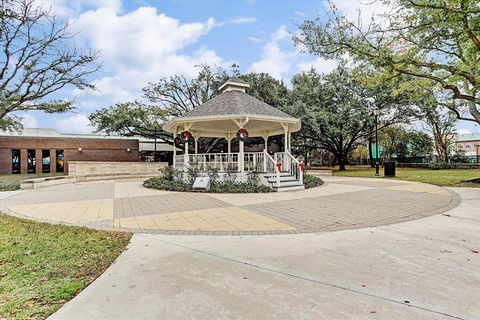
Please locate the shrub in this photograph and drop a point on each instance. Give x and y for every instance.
(212, 174)
(193, 171)
(231, 174)
(239, 187)
(439, 165)
(162, 183)
(310, 181)
(171, 174)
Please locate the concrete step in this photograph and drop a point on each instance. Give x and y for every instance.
(290, 188)
(282, 174)
(291, 183)
(282, 178)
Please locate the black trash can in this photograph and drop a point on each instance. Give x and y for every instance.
(389, 169)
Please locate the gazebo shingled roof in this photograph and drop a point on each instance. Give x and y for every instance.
(235, 103)
(224, 114)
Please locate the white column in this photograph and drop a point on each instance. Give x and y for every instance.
(196, 145)
(286, 139)
(241, 161)
(174, 151)
(229, 150)
(289, 141)
(185, 157)
(265, 143)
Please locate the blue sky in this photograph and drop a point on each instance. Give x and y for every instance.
(142, 41)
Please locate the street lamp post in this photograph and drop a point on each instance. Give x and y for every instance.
(155, 147)
(376, 112)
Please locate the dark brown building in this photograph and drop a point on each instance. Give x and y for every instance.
(48, 151)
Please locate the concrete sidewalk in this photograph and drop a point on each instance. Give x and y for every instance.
(421, 269)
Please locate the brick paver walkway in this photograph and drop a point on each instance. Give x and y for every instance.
(342, 203)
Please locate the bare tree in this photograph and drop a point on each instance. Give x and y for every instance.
(36, 60)
(441, 123)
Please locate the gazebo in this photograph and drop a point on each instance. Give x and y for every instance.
(235, 114)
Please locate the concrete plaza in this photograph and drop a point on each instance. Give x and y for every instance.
(341, 204)
(427, 268)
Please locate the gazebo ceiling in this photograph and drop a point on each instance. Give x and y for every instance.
(230, 110)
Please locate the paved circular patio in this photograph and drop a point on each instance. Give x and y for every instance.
(342, 203)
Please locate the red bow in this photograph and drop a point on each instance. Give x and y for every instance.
(186, 135)
(302, 166)
(279, 167)
(243, 132)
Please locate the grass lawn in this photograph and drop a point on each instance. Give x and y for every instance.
(42, 266)
(444, 178)
(9, 182)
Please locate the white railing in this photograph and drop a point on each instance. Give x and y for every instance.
(271, 167)
(220, 161)
(179, 162)
(296, 169)
(252, 161)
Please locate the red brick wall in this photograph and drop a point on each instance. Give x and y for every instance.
(92, 150)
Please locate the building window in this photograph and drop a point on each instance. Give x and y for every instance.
(460, 146)
(16, 161)
(60, 161)
(45, 161)
(468, 146)
(31, 161)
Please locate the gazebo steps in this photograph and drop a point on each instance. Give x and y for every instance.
(287, 181)
(289, 188)
(282, 179)
(282, 174)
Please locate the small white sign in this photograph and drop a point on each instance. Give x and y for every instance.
(202, 183)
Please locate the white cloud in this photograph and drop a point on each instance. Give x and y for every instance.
(70, 9)
(255, 39)
(280, 59)
(319, 64)
(77, 123)
(138, 47)
(28, 120)
(299, 13)
(241, 20)
(362, 11)
(275, 61)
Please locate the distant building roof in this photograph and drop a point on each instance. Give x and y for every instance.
(145, 143)
(468, 137)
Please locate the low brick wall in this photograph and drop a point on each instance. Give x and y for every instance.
(114, 169)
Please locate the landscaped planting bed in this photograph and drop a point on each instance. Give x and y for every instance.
(162, 183)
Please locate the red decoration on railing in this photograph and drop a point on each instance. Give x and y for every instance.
(186, 135)
(302, 166)
(279, 167)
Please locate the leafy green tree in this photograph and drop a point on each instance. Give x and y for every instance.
(36, 60)
(437, 40)
(333, 110)
(176, 95)
(441, 122)
(169, 97)
(336, 110)
(402, 144)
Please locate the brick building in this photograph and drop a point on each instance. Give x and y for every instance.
(48, 151)
(470, 145)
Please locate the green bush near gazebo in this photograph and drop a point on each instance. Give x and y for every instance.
(171, 181)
